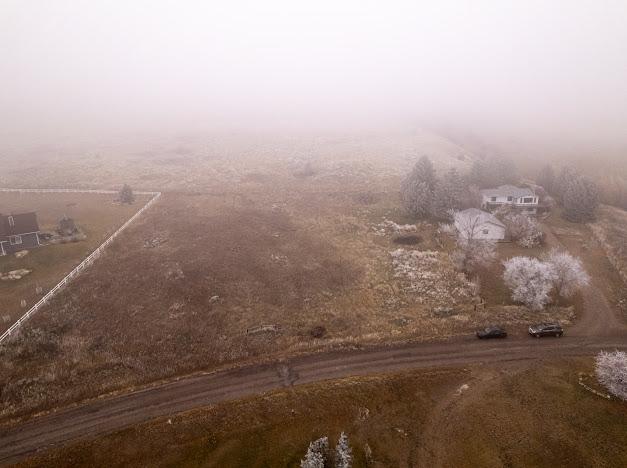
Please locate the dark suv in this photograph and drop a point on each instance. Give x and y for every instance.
(491, 332)
(546, 329)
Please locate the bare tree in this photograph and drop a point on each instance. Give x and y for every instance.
(472, 252)
(570, 273)
(530, 281)
(611, 370)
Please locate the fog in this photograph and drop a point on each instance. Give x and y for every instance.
(531, 69)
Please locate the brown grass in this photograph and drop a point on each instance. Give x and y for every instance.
(519, 416)
(179, 290)
(95, 214)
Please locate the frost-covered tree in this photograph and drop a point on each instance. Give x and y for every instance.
(523, 229)
(546, 178)
(418, 188)
(567, 174)
(343, 453)
(126, 194)
(570, 275)
(611, 370)
(580, 200)
(449, 194)
(472, 252)
(316, 454)
(530, 281)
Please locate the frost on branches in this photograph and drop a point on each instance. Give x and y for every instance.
(611, 370)
(530, 281)
(523, 229)
(430, 276)
(316, 454)
(570, 274)
(343, 453)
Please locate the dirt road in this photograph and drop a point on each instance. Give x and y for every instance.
(113, 413)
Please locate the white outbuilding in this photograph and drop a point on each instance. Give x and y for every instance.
(477, 224)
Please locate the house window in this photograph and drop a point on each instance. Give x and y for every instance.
(510, 198)
(11, 221)
(485, 231)
(15, 240)
(528, 200)
(492, 198)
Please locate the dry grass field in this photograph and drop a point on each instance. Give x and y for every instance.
(190, 284)
(611, 232)
(96, 215)
(519, 416)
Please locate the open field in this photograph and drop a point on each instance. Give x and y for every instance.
(187, 287)
(95, 214)
(514, 415)
(220, 162)
(261, 262)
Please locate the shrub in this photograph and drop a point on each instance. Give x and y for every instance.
(611, 371)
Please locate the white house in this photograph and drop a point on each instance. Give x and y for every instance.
(477, 224)
(520, 198)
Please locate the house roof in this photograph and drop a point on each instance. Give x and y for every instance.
(508, 191)
(481, 216)
(21, 223)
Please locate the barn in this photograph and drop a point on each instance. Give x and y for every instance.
(18, 232)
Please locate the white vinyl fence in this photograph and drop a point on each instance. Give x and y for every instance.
(85, 263)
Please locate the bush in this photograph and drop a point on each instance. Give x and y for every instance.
(611, 371)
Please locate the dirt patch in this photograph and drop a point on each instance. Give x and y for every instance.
(407, 240)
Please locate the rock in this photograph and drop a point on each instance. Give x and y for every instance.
(21, 253)
(14, 275)
(214, 299)
(462, 389)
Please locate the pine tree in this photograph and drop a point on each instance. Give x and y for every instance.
(448, 194)
(479, 174)
(316, 454)
(343, 453)
(580, 200)
(126, 194)
(546, 178)
(567, 174)
(418, 189)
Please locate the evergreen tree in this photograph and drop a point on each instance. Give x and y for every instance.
(418, 189)
(567, 174)
(479, 174)
(126, 194)
(343, 453)
(316, 454)
(546, 178)
(449, 194)
(580, 200)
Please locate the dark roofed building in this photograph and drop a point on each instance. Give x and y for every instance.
(18, 232)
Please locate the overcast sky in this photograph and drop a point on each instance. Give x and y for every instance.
(555, 67)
